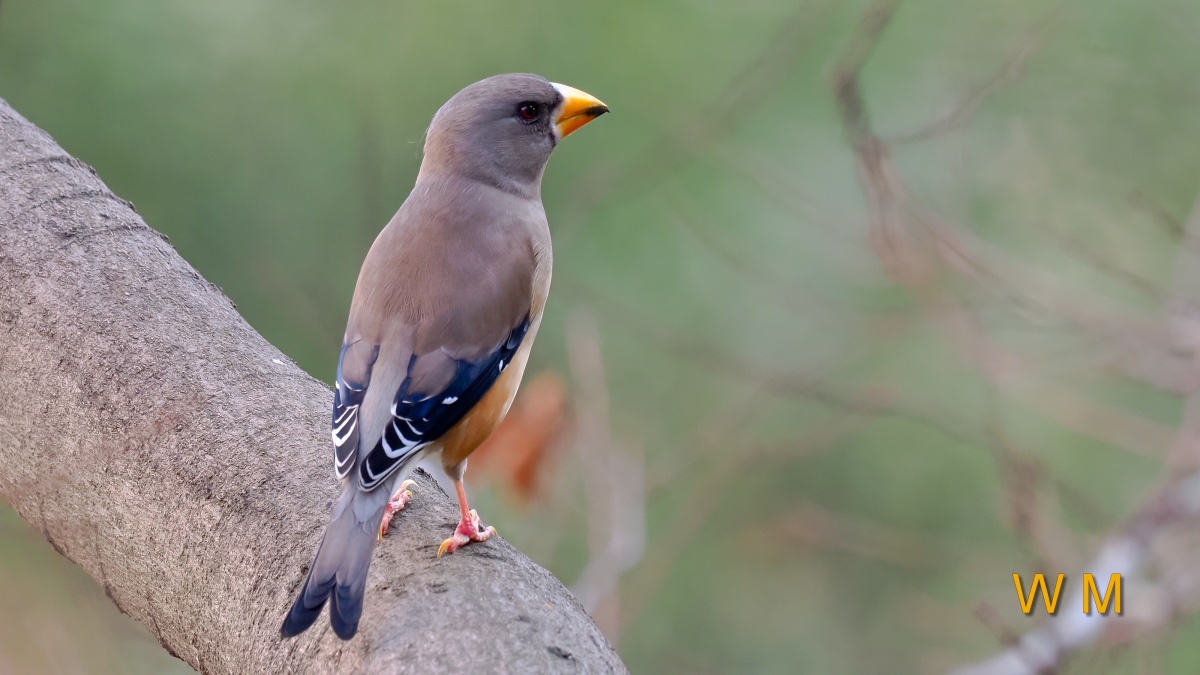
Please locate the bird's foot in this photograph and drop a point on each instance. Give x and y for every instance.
(467, 532)
(394, 505)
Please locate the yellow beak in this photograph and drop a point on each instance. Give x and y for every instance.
(577, 109)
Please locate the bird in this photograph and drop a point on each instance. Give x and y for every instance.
(445, 310)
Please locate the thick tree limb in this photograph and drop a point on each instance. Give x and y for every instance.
(163, 445)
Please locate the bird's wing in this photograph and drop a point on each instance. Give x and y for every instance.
(447, 294)
(438, 389)
(353, 378)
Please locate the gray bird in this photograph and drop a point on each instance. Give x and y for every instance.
(447, 305)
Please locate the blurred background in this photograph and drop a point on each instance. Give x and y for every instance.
(858, 308)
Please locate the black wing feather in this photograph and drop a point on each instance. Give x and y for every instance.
(347, 398)
(419, 419)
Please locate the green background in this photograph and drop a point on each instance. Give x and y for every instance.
(715, 228)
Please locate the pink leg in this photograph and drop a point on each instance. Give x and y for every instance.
(468, 525)
(397, 502)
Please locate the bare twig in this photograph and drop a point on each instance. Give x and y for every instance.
(614, 483)
(748, 88)
(703, 500)
(1159, 214)
(869, 400)
(959, 114)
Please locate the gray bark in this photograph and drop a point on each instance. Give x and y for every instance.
(163, 445)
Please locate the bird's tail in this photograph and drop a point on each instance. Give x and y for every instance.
(338, 572)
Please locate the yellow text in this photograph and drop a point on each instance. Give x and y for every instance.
(1039, 584)
(1092, 593)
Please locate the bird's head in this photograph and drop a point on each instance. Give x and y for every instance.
(501, 130)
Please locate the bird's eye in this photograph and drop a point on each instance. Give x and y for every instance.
(529, 111)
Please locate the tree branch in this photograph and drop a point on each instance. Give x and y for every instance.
(163, 445)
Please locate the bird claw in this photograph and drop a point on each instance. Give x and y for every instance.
(468, 531)
(394, 505)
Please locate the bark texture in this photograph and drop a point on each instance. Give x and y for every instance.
(163, 445)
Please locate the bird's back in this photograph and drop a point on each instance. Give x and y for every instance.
(453, 272)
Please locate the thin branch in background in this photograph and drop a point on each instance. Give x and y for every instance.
(766, 177)
(1072, 246)
(748, 88)
(1089, 510)
(1022, 479)
(872, 400)
(702, 502)
(687, 218)
(614, 483)
(1053, 304)
(683, 217)
(710, 446)
(959, 114)
(711, 435)
(1183, 325)
(1109, 424)
(1146, 357)
(1004, 632)
(848, 64)
(1170, 223)
(1004, 275)
(812, 525)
